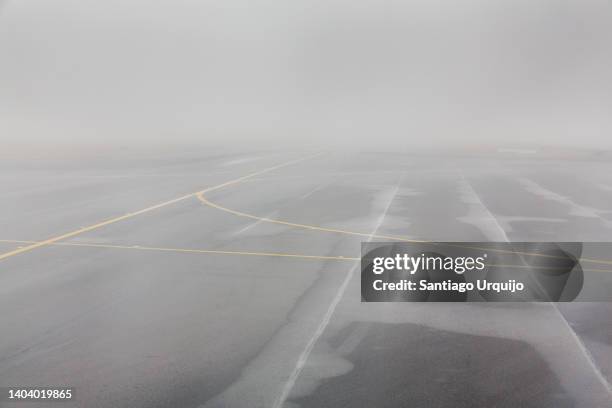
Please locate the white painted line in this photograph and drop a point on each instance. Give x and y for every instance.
(254, 224)
(311, 192)
(303, 357)
(573, 334)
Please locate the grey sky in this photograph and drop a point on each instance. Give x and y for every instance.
(336, 71)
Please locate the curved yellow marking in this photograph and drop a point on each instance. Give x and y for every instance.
(205, 201)
(200, 196)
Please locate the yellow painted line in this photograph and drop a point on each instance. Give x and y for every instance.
(250, 253)
(200, 196)
(204, 200)
(187, 250)
(145, 210)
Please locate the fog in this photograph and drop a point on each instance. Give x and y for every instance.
(386, 74)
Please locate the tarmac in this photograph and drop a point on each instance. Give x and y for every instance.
(232, 280)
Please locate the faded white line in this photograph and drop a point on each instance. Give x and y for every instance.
(354, 339)
(497, 233)
(254, 224)
(318, 188)
(576, 338)
(575, 209)
(301, 361)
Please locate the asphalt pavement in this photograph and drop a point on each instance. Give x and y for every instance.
(232, 280)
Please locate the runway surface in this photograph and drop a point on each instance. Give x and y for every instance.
(232, 280)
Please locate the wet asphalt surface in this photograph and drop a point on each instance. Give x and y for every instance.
(128, 315)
